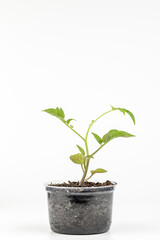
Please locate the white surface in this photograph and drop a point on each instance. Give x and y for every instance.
(81, 56)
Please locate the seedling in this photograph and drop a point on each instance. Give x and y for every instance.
(83, 157)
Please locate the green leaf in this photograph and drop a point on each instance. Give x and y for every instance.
(57, 112)
(98, 138)
(77, 158)
(131, 115)
(81, 150)
(98, 170)
(69, 120)
(114, 134)
(123, 110)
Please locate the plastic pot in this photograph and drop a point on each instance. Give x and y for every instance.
(80, 210)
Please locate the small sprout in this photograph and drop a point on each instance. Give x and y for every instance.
(83, 158)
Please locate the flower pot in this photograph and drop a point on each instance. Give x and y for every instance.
(80, 210)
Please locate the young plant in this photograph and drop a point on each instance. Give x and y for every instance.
(83, 157)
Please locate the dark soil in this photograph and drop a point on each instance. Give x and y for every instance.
(85, 184)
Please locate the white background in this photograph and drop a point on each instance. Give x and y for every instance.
(81, 56)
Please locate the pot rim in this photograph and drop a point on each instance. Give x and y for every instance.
(78, 189)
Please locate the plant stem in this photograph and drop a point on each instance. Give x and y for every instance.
(74, 131)
(87, 163)
(89, 177)
(86, 145)
(103, 115)
(93, 121)
(97, 150)
(85, 173)
(82, 168)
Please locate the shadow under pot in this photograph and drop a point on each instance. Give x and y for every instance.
(80, 210)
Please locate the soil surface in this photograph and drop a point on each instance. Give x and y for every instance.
(85, 184)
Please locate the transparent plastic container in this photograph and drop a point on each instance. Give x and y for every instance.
(80, 210)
